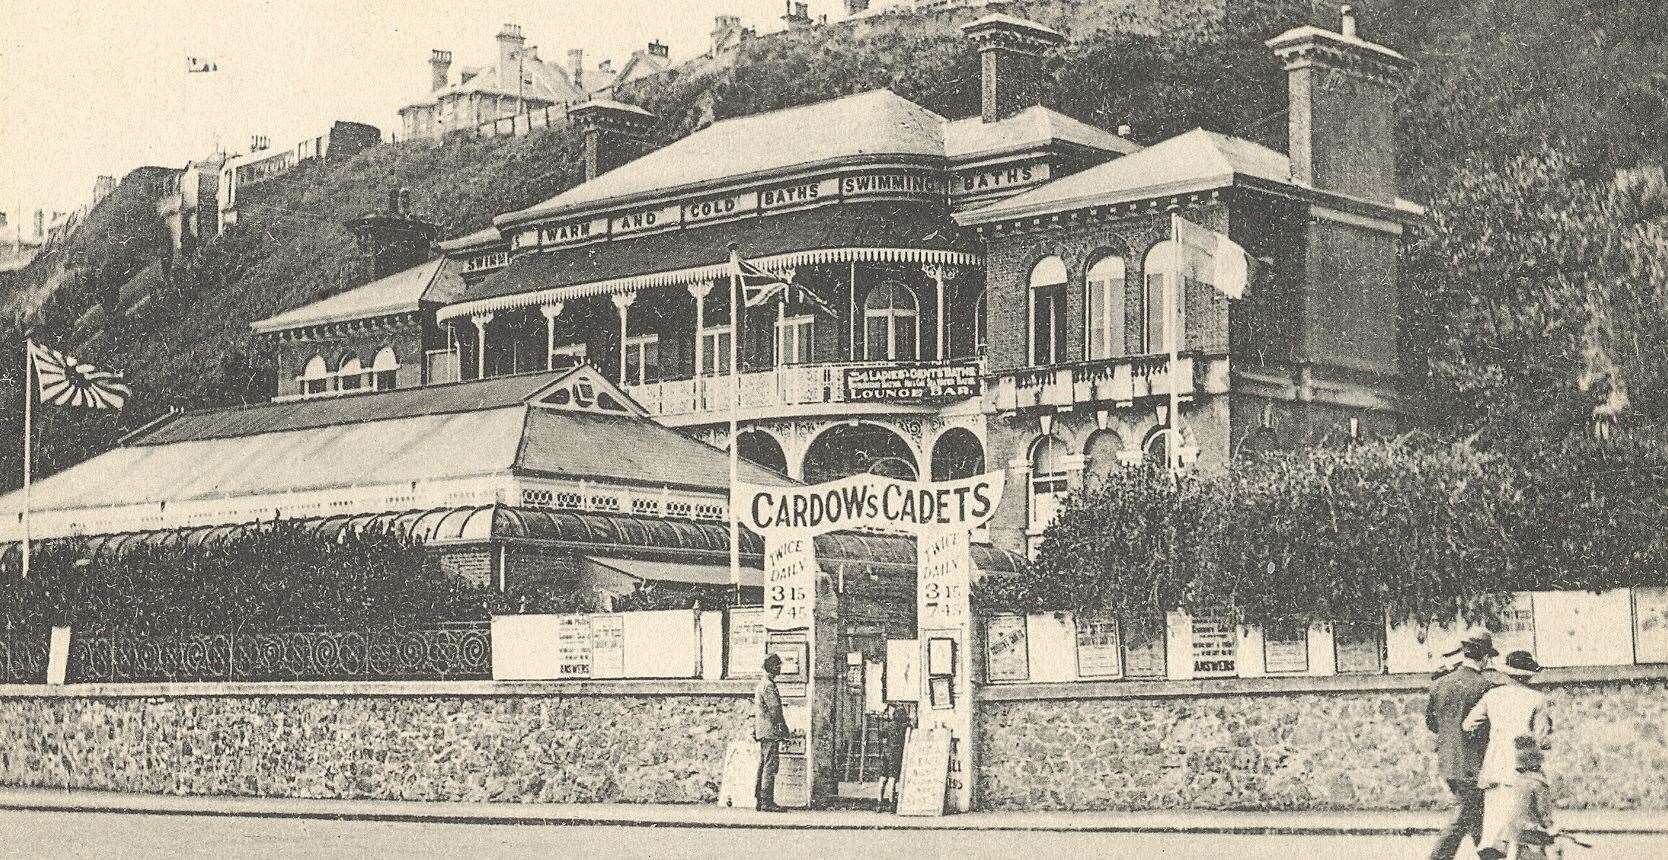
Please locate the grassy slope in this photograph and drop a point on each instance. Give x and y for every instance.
(1584, 74)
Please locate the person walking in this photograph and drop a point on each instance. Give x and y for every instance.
(1459, 754)
(770, 729)
(1510, 711)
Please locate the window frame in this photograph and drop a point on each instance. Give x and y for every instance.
(893, 315)
(803, 329)
(1111, 292)
(1039, 282)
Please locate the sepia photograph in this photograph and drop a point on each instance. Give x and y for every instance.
(834, 428)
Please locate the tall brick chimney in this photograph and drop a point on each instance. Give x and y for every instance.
(615, 133)
(1342, 115)
(1011, 66)
(510, 43)
(798, 15)
(576, 66)
(440, 65)
(392, 240)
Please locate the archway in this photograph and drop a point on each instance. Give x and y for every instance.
(759, 447)
(853, 449)
(957, 454)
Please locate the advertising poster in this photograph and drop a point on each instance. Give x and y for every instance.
(790, 582)
(1099, 652)
(1214, 642)
(573, 646)
(607, 646)
(1005, 654)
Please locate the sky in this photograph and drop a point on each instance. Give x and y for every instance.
(91, 88)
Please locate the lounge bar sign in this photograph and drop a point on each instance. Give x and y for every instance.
(949, 381)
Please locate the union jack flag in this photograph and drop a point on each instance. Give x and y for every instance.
(66, 381)
(759, 286)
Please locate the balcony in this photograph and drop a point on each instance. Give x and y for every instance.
(810, 389)
(1117, 381)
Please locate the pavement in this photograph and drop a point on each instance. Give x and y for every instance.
(1361, 822)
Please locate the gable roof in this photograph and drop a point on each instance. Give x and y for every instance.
(401, 292)
(873, 123)
(1195, 161)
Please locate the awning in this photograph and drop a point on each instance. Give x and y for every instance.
(681, 572)
(846, 233)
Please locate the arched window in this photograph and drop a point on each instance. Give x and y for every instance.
(1048, 311)
(1158, 447)
(383, 369)
(1104, 454)
(1159, 267)
(315, 377)
(890, 324)
(1048, 480)
(1105, 307)
(349, 376)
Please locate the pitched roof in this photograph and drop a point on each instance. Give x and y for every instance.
(255, 419)
(1034, 126)
(434, 281)
(878, 122)
(495, 426)
(1194, 161)
(874, 225)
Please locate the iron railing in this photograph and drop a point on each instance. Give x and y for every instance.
(444, 652)
(22, 661)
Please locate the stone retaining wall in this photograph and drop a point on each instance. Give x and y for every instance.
(1363, 748)
(589, 745)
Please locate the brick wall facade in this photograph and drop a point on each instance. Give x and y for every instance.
(406, 340)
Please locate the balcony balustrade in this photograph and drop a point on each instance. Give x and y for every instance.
(889, 382)
(1119, 380)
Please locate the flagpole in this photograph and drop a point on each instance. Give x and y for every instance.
(28, 436)
(735, 403)
(1172, 335)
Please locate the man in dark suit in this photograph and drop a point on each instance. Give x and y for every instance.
(770, 729)
(1459, 754)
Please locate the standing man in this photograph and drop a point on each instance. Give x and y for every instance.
(770, 728)
(1459, 754)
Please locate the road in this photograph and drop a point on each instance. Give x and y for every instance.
(87, 834)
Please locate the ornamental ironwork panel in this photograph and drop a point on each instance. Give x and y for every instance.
(23, 661)
(458, 652)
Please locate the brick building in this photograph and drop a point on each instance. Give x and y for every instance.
(989, 289)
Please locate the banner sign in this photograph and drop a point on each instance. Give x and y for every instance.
(870, 501)
(790, 582)
(923, 383)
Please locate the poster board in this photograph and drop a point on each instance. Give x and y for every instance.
(1286, 648)
(1006, 657)
(1650, 624)
(524, 647)
(741, 773)
(607, 646)
(1214, 643)
(573, 647)
(746, 643)
(1358, 648)
(660, 644)
(1579, 628)
(926, 773)
(1099, 647)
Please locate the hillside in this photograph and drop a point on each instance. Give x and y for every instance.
(1579, 78)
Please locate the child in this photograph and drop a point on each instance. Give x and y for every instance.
(894, 732)
(1519, 812)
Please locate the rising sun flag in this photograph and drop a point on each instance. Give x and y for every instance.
(57, 379)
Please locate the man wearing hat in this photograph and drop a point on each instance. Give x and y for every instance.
(1459, 754)
(770, 728)
(1510, 711)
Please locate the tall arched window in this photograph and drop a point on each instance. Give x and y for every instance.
(1105, 307)
(1048, 311)
(383, 369)
(1159, 267)
(1048, 480)
(890, 323)
(349, 374)
(315, 377)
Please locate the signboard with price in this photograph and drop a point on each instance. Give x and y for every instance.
(941, 516)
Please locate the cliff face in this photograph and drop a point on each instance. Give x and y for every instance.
(1581, 75)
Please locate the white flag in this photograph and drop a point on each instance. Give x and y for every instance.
(1214, 258)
